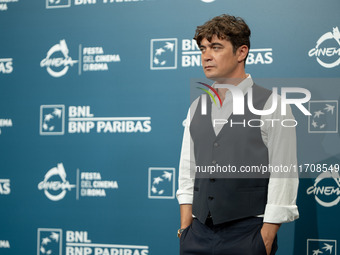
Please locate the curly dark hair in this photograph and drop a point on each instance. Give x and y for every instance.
(231, 28)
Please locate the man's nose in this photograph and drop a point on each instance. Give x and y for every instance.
(206, 56)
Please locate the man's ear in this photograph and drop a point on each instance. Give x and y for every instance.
(242, 53)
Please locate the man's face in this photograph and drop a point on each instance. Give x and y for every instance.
(218, 60)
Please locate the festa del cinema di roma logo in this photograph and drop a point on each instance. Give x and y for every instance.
(331, 54)
(54, 189)
(57, 61)
(91, 59)
(89, 184)
(326, 188)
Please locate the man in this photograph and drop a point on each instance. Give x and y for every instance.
(233, 215)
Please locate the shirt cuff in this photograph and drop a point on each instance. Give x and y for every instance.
(280, 213)
(184, 199)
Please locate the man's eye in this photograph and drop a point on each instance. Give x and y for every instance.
(216, 48)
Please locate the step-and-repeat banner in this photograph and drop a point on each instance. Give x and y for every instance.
(93, 95)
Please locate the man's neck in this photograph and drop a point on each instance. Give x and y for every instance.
(231, 81)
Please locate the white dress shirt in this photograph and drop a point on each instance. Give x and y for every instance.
(281, 143)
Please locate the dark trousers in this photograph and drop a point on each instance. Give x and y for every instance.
(241, 237)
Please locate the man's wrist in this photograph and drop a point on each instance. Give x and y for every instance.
(269, 230)
(184, 226)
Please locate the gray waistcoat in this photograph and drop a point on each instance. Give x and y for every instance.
(229, 199)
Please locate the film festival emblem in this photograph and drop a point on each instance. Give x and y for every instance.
(55, 185)
(49, 241)
(58, 61)
(327, 49)
(324, 118)
(326, 188)
(161, 183)
(320, 246)
(163, 54)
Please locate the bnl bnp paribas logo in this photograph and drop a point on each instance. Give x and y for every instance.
(6, 65)
(82, 121)
(164, 54)
(4, 4)
(327, 49)
(59, 61)
(161, 183)
(5, 186)
(51, 242)
(321, 247)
